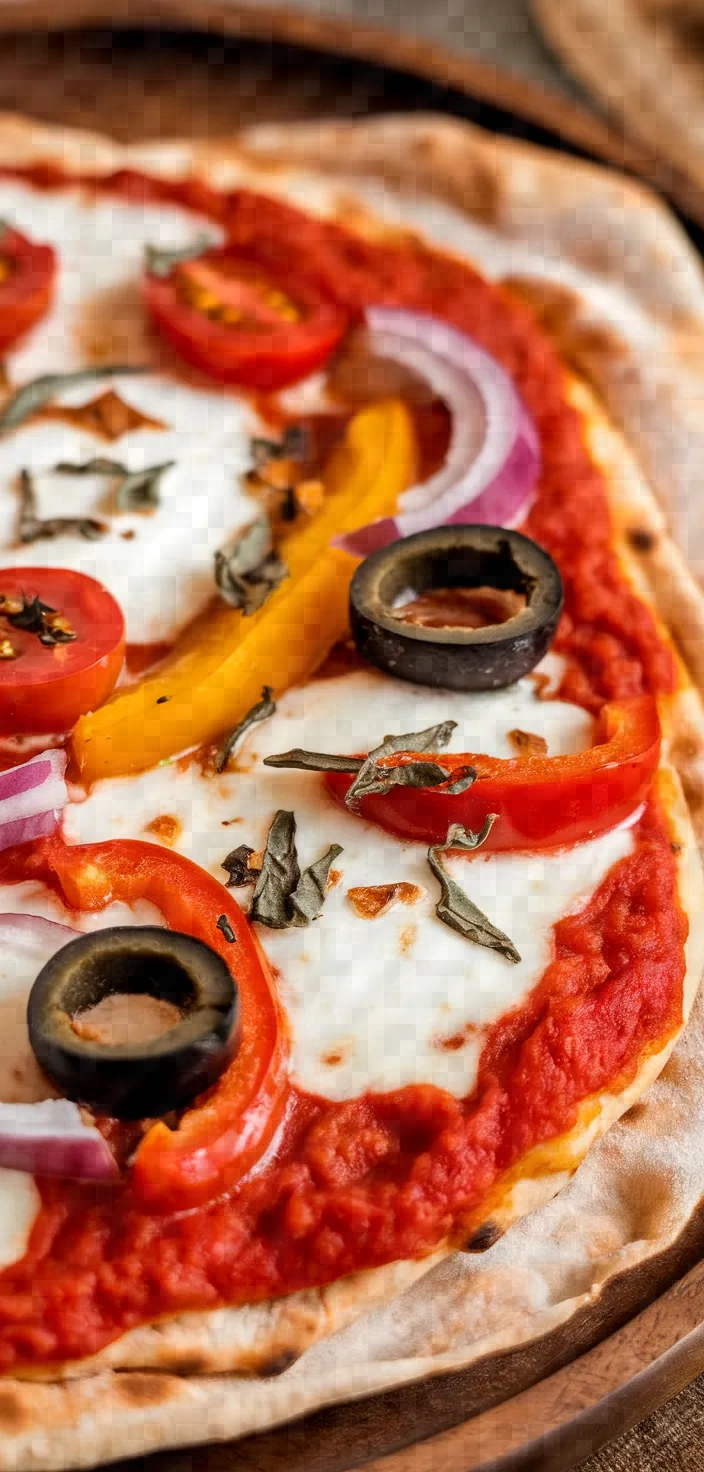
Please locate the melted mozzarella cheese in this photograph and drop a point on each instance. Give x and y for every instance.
(158, 564)
(375, 1004)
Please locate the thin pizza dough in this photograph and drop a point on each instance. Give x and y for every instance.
(122, 1411)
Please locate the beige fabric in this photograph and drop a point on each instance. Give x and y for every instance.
(627, 273)
(645, 60)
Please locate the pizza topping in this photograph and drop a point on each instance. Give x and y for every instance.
(32, 528)
(27, 276)
(262, 711)
(371, 901)
(39, 392)
(544, 802)
(454, 907)
(248, 570)
(137, 490)
(68, 634)
(283, 895)
(527, 744)
(223, 1134)
(243, 866)
(37, 618)
(372, 775)
(240, 324)
(110, 1069)
(32, 797)
(52, 1138)
(160, 261)
(280, 480)
(493, 459)
(279, 643)
(482, 655)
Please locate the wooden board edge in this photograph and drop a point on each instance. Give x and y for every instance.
(573, 1413)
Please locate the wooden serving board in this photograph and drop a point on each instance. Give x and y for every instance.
(549, 1404)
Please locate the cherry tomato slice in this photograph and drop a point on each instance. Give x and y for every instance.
(46, 687)
(238, 324)
(27, 274)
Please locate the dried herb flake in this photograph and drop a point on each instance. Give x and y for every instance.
(248, 570)
(371, 776)
(239, 868)
(160, 261)
(32, 528)
(264, 708)
(283, 896)
(138, 489)
(224, 925)
(40, 391)
(454, 907)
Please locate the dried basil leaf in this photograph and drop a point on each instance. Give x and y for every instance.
(314, 761)
(283, 896)
(279, 874)
(371, 777)
(32, 528)
(40, 391)
(160, 261)
(97, 466)
(264, 708)
(224, 925)
(411, 774)
(292, 446)
(308, 897)
(238, 867)
(434, 738)
(454, 907)
(249, 570)
(139, 491)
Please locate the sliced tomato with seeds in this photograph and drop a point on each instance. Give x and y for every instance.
(27, 275)
(236, 322)
(62, 645)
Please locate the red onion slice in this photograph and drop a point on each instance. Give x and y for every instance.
(32, 798)
(48, 1137)
(52, 1139)
(493, 459)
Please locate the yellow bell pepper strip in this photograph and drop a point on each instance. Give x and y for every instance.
(217, 670)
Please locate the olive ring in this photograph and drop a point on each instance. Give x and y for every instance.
(456, 658)
(134, 1080)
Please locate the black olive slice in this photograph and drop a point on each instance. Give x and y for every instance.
(193, 1006)
(404, 621)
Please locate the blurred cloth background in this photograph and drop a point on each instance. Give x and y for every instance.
(499, 31)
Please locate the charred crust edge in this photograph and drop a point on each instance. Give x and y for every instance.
(484, 1238)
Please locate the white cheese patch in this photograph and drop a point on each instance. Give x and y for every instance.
(370, 1002)
(158, 565)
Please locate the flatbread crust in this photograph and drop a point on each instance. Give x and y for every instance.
(533, 203)
(645, 60)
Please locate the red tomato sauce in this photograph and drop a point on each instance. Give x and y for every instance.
(359, 1184)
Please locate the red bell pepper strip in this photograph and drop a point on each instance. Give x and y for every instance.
(225, 1132)
(541, 802)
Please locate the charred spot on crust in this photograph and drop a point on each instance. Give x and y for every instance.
(278, 1363)
(484, 1238)
(189, 1364)
(13, 1416)
(143, 1389)
(640, 539)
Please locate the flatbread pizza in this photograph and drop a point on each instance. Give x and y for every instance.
(351, 741)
